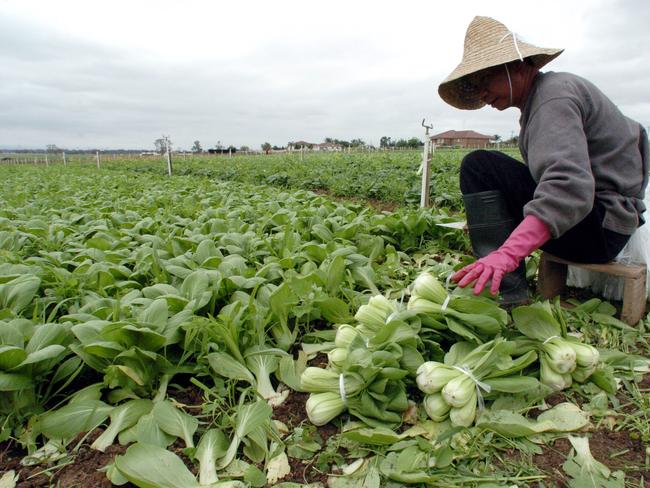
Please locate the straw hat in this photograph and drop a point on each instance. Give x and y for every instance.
(487, 43)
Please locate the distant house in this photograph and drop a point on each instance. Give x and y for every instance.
(328, 147)
(296, 146)
(227, 150)
(461, 138)
(325, 146)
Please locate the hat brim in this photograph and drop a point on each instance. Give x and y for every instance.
(459, 91)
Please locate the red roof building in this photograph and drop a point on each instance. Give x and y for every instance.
(461, 138)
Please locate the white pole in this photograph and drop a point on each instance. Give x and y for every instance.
(65, 162)
(301, 154)
(47, 161)
(230, 152)
(426, 170)
(97, 156)
(169, 160)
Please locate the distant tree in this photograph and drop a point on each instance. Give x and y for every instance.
(52, 148)
(414, 142)
(329, 140)
(513, 140)
(197, 147)
(385, 141)
(266, 147)
(244, 148)
(162, 143)
(357, 142)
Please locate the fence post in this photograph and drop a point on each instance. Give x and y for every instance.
(97, 156)
(65, 162)
(426, 169)
(169, 161)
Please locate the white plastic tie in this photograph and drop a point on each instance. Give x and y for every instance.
(391, 316)
(443, 308)
(342, 388)
(479, 385)
(514, 40)
(550, 339)
(445, 303)
(447, 281)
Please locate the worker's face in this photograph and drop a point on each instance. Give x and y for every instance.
(493, 87)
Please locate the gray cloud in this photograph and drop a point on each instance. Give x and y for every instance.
(74, 92)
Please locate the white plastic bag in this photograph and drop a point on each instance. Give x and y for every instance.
(636, 251)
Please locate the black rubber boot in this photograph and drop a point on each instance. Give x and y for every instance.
(490, 223)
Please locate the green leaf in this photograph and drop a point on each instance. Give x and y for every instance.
(561, 418)
(377, 436)
(155, 314)
(212, 446)
(289, 371)
(335, 274)
(68, 421)
(149, 466)
(254, 477)
(48, 352)
(147, 431)
(334, 310)
(225, 365)
(586, 472)
(566, 417)
(11, 356)
(128, 335)
(536, 321)
(281, 302)
(196, 287)
(513, 384)
(14, 382)
(175, 422)
(249, 417)
(18, 293)
(46, 335)
(122, 417)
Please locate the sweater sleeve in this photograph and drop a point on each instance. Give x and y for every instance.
(558, 159)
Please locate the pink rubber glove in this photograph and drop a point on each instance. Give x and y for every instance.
(529, 235)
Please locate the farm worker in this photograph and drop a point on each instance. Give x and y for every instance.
(579, 194)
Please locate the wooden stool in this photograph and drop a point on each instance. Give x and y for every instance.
(551, 281)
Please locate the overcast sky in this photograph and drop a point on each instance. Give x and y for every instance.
(119, 74)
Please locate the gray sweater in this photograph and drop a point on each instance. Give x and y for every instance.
(579, 148)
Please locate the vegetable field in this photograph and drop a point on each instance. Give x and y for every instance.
(255, 322)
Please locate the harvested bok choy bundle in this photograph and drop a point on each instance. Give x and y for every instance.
(456, 388)
(474, 318)
(562, 358)
(367, 367)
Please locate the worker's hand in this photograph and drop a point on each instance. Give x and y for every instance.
(529, 235)
(491, 267)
